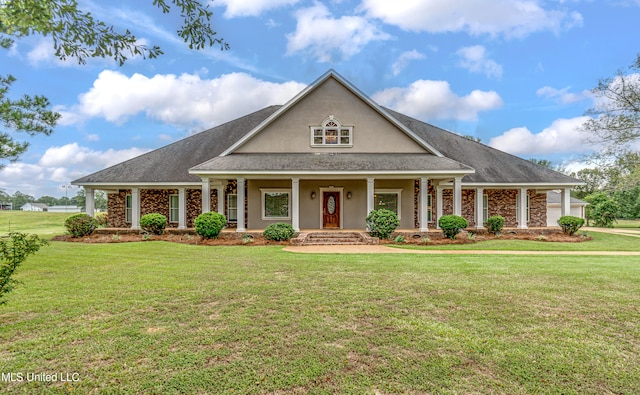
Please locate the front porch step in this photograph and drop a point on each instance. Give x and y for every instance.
(334, 238)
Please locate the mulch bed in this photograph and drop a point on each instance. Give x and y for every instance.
(257, 239)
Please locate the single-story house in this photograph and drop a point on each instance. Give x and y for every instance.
(34, 207)
(324, 160)
(554, 211)
(65, 209)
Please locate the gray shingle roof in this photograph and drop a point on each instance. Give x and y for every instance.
(332, 162)
(200, 151)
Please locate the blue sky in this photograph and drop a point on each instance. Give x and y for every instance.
(515, 73)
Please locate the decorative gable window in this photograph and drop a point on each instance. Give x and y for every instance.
(331, 134)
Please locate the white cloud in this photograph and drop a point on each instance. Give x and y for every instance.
(428, 99)
(184, 101)
(511, 18)
(404, 59)
(93, 137)
(236, 8)
(563, 95)
(562, 136)
(475, 60)
(59, 165)
(324, 37)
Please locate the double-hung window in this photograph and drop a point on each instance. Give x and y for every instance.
(485, 207)
(174, 208)
(232, 207)
(128, 207)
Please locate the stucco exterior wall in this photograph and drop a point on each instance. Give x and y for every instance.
(290, 133)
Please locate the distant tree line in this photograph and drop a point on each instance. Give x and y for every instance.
(19, 199)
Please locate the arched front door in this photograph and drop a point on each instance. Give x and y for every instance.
(331, 210)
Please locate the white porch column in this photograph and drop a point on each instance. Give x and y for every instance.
(90, 205)
(457, 196)
(240, 185)
(135, 208)
(424, 192)
(522, 207)
(479, 208)
(182, 208)
(565, 202)
(206, 195)
(295, 204)
(220, 193)
(370, 193)
(438, 205)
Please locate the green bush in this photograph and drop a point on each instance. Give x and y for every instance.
(278, 232)
(102, 219)
(79, 225)
(208, 225)
(381, 223)
(451, 225)
(153, 223)
(494, 224)
(14, 249)
(570, 224)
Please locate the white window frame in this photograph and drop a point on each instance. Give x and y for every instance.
(485, 207)
(230, 207)
(264, 192)
(174, 212)
(429, 208)
(128, 208)
(332, 123)
(390, 192)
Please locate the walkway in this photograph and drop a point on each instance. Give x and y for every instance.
(382, 249)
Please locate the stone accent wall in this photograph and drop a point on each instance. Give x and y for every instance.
(116, 209)
(416, 204)
(468, 204)
(157, 201)
(503, 202)
(194, 205)
(537, 209)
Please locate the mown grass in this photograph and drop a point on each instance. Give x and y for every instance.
(41, 223)
(627, 223)
(150, 318)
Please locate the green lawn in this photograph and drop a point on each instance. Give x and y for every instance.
(160, 318)
(627, 223)
(42, 223)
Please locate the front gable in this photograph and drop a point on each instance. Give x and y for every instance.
(331, 116)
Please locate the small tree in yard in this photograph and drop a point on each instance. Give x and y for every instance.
(382, 223)
(570, 225)
(12, 253)
(451, 225)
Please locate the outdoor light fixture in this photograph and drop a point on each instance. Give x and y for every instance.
(349, 195)
(313, 195)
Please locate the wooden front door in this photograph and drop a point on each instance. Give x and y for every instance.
(331, 209)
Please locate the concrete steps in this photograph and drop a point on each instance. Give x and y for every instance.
(334, 238)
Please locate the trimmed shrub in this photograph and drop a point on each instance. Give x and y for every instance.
(102, 219)
(153, 223)
(381, 223)
(79, 225)
(570, 224)
(451, 225)
(279, 232)
(208, 225)
(494, 224)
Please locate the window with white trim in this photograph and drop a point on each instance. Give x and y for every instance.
(174, 210)
(331, 133)
(232, 207)
(276, 204)
(485, 207)
(128, 207)
(429, 208)
(389, 199)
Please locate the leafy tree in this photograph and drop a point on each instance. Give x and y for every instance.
(548, 164)
(76, 34)
(13, 251)
(19, 199)
(602, 209)
(615, 118)
(473, 138)
(48, 200)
